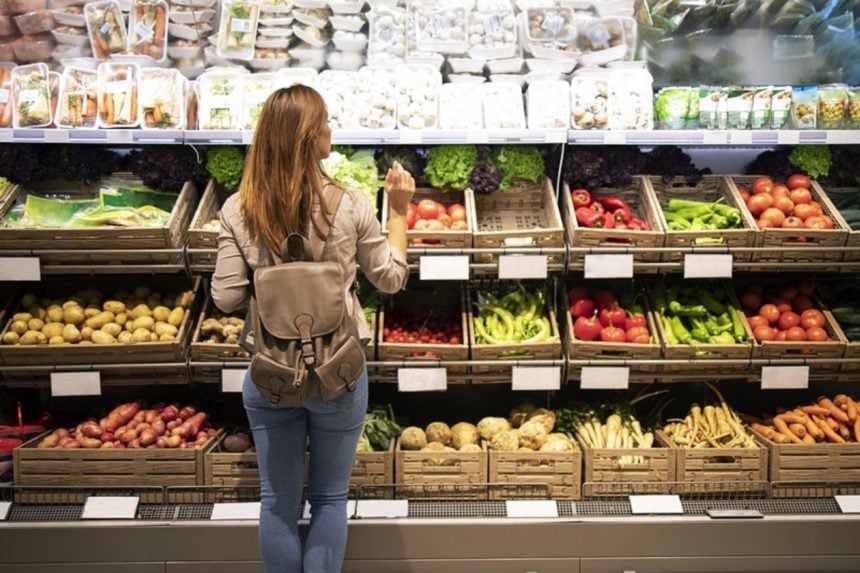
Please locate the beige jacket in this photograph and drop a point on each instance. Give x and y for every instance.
(356, 237)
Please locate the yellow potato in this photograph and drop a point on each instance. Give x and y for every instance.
(140, 310)
(101, 337)
(100, 320)
(153, 337)
(143, 322)
(176, 316)
(70, 303)
(129, 325)
(29, 300)
(166, 337)
(71, 333)
(185, 299)
(114, 306)
(36, 324)
(121, 319)
(85, 343)
(52, 330)
(161, 313)
(11, 338)
(19, 327)
(91, 311)
(22, 316)
(112, 328)
(31, 338)
(86, 333)
(74, 315)
(56, 340)
(164, 328)
(55, 313)
(140, 335)
(124, 337)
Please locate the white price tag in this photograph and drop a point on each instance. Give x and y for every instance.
(784, 377)
(556, 136)
(110, 507)
(707, 266)
(655, 504)
(531, 508)
(788, 137)
(76, 384)
(444, 268)
(615, 138)
(375, 508)
(477, 136)
(56, 136)
(232, 379)
(422, 379)
(5, 506)
(535, 378)
(848, 503)
(741, 137)
(522, 266)
(20, 269)
(120, 136)
(247, 137)
(609, 266)
(410, 136)
(843, 136)
(237, 511)
(605, 378)
(350, 509)
(734, 514)
(7, 135)
(713, 137)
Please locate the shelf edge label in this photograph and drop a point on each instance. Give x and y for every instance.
(522, 266)
(605, 378)
(20, 269)
(232, 379)
(656, 505)
(784, 377)
(708, 266)
(535, 378)
(5, 506)
(422, 379)
(235, 511)
(76, 384)
(444, 268)
(531, 508)
(350, 509)
(110, 507)
(382, 508)
(608, 266)
(848, 503)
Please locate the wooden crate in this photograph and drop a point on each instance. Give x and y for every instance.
(448, 300)
(199, 238)
(448, 239)
(604, 473)
(710, 188)
(514, 351)
(562, 471)
(441, 475)
(636, 196)
(143, 353)
(709, 351)
(702, 470)
(91, 240)
(769, 239)
(519, 218)
(807, 349)
(120, 468)
(822, 465)
(209, 351)
(853, 240)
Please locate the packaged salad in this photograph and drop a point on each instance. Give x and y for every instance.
(219, 95)
(256, 88)
(832, 103)
(853, 113)
(118, 94)
(106, 28)
(162, 98)
(238, 30)
(147, 29)
(78, 98)
(6, 101)
(32, 96)
(780, 106)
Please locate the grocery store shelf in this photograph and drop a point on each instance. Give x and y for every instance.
(714, 137)
(100, 136)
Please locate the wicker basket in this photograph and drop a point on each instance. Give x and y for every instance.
(769, 239)
(523, 471)
(441, 475)
(89, 241)
(519, 218)
(853, 240)
(710, 188)
(607, 473)
(636, 196)
(199, 238)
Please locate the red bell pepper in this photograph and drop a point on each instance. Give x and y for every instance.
(622, 215)
(581, 198)
(597, 207)
(586, 217)
(611, 203)
(606, 221)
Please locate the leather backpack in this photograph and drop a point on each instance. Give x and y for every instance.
(305, 343)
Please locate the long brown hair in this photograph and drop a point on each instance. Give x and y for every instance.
(283, 173)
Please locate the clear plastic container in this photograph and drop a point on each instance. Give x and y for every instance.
(375, 100)
(441, 29)
(387, 42)
(804, 107)
(32, 96)
(162, 98)
(345, 61)
(503, 106)
(6, 103)
(189, 32)
(71, 16)
(277, 6)
(832, 103)
(492, 35)
(36, 22)
(220, 101)
(72, 36)
(853, 112)
(600, 40)
(346, 6)
(78, 98)
(418, 97)
(507, 66)
(548, 105)
(460, 107)
(466, 65)
(190, 15)
(338, 88)
(35, 48)
(349, 41)
(550, 24)
(238, 29)
(148, 29)
(54, 86)
(106, 28)
(631, 100)
(269, 59)
(311, 35)
(589, 99)
(316, 17)
(118, 94)
(348, 23)
(713, 107)
(256, 88)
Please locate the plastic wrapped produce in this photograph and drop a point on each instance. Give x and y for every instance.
(256, 88)
(220, 102)
(387, 42)
(832, 103)
(440, 28)
(492, 35)
(804, 107)
(739, 103)
(713, 108)
(106, 28)
(760, 117)
(338, 88)
(117, 93)
(36, 22)
(672, 107)
(70, 16)
(460, 107)
(148, 29)
(162, 97)
(853, 112)
(503, 106)
(631, 100)
(550, 24)
(32, 96)
(78, 98)
(35, 48)
(589, 99)
(548, 105)
(780, 106)
(349, 41)
(238, 29)
(376, 98)
(418, 97)
(600, 40)
(6, 101)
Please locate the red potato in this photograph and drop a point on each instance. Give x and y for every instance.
(147, 437)
(158, 426)
(90, 443)
(107, 437)
(61, 433)
(128, 436)
(91, 429)
(134, 444)
(140, 416)
(109, 446)
(172, 424)
(63, 441)
(49, 441)
(174, 441)
(161, 442)
(151, 416)
(169, 413)
(187, 412)
(72, 444)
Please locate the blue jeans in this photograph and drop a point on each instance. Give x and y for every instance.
(280, 435)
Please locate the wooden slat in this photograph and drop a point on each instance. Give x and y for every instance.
(603, 470)
(561, 470)
(454, 468)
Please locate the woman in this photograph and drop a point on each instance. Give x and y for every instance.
(280, 191)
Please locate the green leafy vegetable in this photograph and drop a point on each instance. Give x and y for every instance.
(450, 166)
(518, 163)
(814, 160)
(379, 429)
(357, 171)
(226, 164)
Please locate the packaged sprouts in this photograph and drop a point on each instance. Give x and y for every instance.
(148, 29)
(418, 97)
(106, 28)
(220, 100)
(238, 29)
(78, 105)
(32, 96)
(162, 97)
(118, 95)
(548, 105)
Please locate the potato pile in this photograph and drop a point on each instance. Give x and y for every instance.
(439, 437)
(527, 429)
(87, 318)
(223, 330)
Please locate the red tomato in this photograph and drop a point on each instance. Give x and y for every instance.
(604, 299)
(421, 225)
(781, 336)
(781, 304)
(634, 321)
(788, 320)
(446, 220)
(435, 225)
(613, 334)
(440, 210)
(801, 303)
(613, 315)
(638, 335)
(763, 333)
(758, 203)
(816, 222)
(770, 313)
(795, 334)
(804, 211)
(792, 223)
(587, 328)
(774, 215)
(784, 204)
(583, 307)
(756, 321)
(812, 317)
(427, 209)
(745, 195)
(457, 212)
(817, 206)
(764, 224)
(779, 191)
(577, 293)
(762, 185)
(801, 195)
(751, 299)
(799, 181)
(816, 334)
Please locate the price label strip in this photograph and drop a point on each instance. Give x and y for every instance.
(232, 379)
(784, 377)
(422, 379)
(535, 378)
(605, 378)
(381, 508)
(20, 269)
(608, 266)
(656, 505)
(444, 268)
(848, 503)
(5, 506)
(110, 507)
(734, 514)
(350, 509)
(235, 511)
(76, 384)
(531, 508)
(522, 267)
(707, 266)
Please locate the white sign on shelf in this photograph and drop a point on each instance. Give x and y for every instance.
(422, 379)
(232, 379)
(76, 384)
(20, 269)
(734, 514)
(444, 268)
(5, 506)
(713, 137)
(605, 378)
(707, 266)
(556, 136)
(56, 136)
(788, 137)
(7, 135)
(741, 137)
(120, 136)
(477, 136)
(842, 136)
(379, 508)
(609, 266)
(614, 138)
(235, 511)
(410, 136)
(110, 507)
(848, 503)
(535, 378)
(531, 508)
(350, 509)
(656, 504)
(522, 266)
(784, 377)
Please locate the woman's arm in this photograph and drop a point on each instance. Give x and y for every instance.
(230, 284)
(400, 187)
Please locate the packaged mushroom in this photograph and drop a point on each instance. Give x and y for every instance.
(78, 105)
(460, 107)
(376, 98)
(548, 105)
(600, 40)
(162, 98)
(492, 35)
(503, 106)
(238, 29)
(117, 93)
(337, 88)
(440, 28)
(589, 99)
(418, 97)
(148, 29)
(387, 42)
(550, 25)
(631, 100)
(106, 28)
(220, 101)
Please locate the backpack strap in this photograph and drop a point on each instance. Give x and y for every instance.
(332, 197)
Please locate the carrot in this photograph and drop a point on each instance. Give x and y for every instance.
(829, 433)
(780, 438)
(159, 25)
(765, 431)
(813, 429)
(799, 430)
(857, 430)
(834, 425)
(844, 431)
(852, 410)
(791, 418)
(840, 399)
(809, 440)
(825, 402)
(815, 410)
(783, 428)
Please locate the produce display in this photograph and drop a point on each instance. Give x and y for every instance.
(617, 430)
(849, 208)
(710, 427)
(404, 327)
(238, 443)
(87, 317)
(601, 316)
(78, 98)
(844, 304)
(519, 317)
(356, 171)
(608, 212)
(689, 215)
(784, 314)
(380, 427)
(697, 315)
(130, 426)
(786, 206)
(526, 429)
(832, 421)
(440, 437)
(221, 330)
(429, 215)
